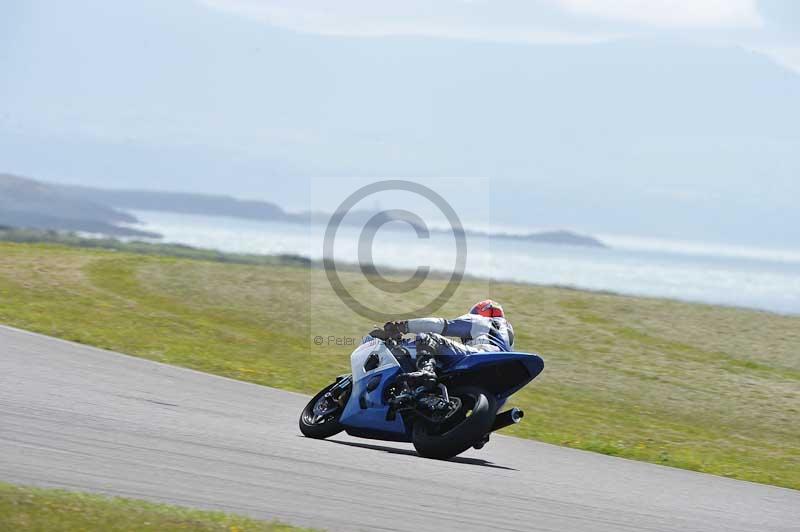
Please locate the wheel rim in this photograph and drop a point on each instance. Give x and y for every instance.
(468, 402)
(324, 410)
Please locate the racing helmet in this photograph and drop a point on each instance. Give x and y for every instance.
(488, 308)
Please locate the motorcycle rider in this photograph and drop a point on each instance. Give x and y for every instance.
(483, 328)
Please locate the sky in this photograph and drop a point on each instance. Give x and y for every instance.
(770, 26)
(666, 118)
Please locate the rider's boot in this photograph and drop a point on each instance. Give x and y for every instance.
(425, 376)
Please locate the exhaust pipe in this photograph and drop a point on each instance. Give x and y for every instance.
(507, 418)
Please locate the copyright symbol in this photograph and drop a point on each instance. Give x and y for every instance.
(318, 340)
(366, 241)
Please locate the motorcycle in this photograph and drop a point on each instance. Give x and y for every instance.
(442, 420)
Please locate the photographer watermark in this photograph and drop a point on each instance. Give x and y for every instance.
(365, 247)
(332, 340)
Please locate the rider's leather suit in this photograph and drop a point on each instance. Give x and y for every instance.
(477, 333)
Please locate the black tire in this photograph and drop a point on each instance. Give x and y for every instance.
(461, 431)
(325, 428)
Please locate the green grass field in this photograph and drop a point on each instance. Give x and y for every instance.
(694, 386)
(50, 510)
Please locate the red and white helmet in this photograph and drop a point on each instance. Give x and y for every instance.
(488, 308)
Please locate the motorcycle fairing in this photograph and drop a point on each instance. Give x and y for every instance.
(365, 414)
(503, 373)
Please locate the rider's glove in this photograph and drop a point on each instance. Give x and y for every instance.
(378, 333)
(395, 329)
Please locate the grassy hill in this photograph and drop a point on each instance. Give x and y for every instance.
(694, 386)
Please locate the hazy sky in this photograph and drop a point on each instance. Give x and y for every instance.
(771, 26)
(673, 118)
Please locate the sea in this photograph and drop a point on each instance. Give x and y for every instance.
(759, 278)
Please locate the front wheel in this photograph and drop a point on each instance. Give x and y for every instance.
(469, 425)
(320, 417)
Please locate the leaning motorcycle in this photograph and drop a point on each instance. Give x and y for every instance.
(442, 421)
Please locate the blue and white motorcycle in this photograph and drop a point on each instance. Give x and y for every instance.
(443, 420)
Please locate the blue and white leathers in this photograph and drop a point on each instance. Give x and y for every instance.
(477, 332)
(365, 414)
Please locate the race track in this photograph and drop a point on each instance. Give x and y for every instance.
(86, 419)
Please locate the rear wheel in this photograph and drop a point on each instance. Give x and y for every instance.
(469, 425)
(320, 417)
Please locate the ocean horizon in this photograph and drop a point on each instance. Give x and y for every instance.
(731, 275)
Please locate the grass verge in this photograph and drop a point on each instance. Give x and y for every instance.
(700, 387)
(52, 510)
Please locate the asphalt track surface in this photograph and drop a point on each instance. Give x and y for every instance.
(81, 418)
